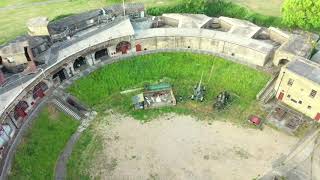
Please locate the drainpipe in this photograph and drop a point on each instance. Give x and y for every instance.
(280, 82)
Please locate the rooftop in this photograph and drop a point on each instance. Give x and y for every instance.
(260, 46)
(305, 68)
(241, 27)
(189, 20)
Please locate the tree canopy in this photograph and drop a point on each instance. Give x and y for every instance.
(303, 14)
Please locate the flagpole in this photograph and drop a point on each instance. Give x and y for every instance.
(124, 8)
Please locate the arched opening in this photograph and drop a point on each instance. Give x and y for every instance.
(123, 47)
(101, 54)
(20, 110)
(283, 62)
(79, 63)
(60, 76)
(39, 90)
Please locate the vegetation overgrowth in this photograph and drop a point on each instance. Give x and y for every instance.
(102, 88)
(218, 8)
(40, 148)
(85, 151)
(302, 14)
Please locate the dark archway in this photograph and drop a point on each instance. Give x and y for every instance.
(283, 62)
(78, 63)
(39, 89)
(101, 54)
(62, 75)
(123, 47)
(20, 110)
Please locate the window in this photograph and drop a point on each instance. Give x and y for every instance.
(313, 94)
(309, 107)
(290, 82)
(300, 102)
(289, 96)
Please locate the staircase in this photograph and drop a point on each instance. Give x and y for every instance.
(66, 109)
(268, 95)
(268, 92)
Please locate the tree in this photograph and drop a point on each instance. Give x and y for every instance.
(304, 14)
(196, 6)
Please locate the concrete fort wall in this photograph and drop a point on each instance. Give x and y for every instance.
(232, 50)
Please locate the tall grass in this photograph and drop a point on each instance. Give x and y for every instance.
(183, 70)
(36, 156)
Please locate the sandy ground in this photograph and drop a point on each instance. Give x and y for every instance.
(180, 147)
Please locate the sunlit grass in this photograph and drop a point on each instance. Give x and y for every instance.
(102, 88)
(36, 156)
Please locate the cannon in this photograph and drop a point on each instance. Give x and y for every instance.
(199, 91)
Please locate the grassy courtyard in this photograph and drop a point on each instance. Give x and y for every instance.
(102, 88)
(39, 150)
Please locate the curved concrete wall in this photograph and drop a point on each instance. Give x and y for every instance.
(248, 51)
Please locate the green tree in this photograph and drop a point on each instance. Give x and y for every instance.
(196, 6)
(304, 14)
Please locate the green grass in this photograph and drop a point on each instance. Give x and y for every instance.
(39, 150)
(102, 88)
(270, 7)
(84, 153)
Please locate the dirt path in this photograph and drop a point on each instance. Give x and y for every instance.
(61, 166)
(31, 5)
(180, 147)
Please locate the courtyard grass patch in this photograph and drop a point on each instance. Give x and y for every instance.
(84, 152)
(40, 148)
(101, 89)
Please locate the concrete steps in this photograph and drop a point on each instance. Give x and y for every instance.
(66, 109)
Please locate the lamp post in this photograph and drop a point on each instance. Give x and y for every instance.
(124, 8)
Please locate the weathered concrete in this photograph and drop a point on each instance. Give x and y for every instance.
(301, 163)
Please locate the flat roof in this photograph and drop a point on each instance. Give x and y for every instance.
(257, 45)
(305, 69)
(298, 45)
(189, 20)
(241, 27)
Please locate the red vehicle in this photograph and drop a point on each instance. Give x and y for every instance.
(255, 120)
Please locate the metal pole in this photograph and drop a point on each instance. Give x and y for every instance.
(124, 8)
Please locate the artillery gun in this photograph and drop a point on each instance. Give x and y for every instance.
(222, 100)
(199, 91)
